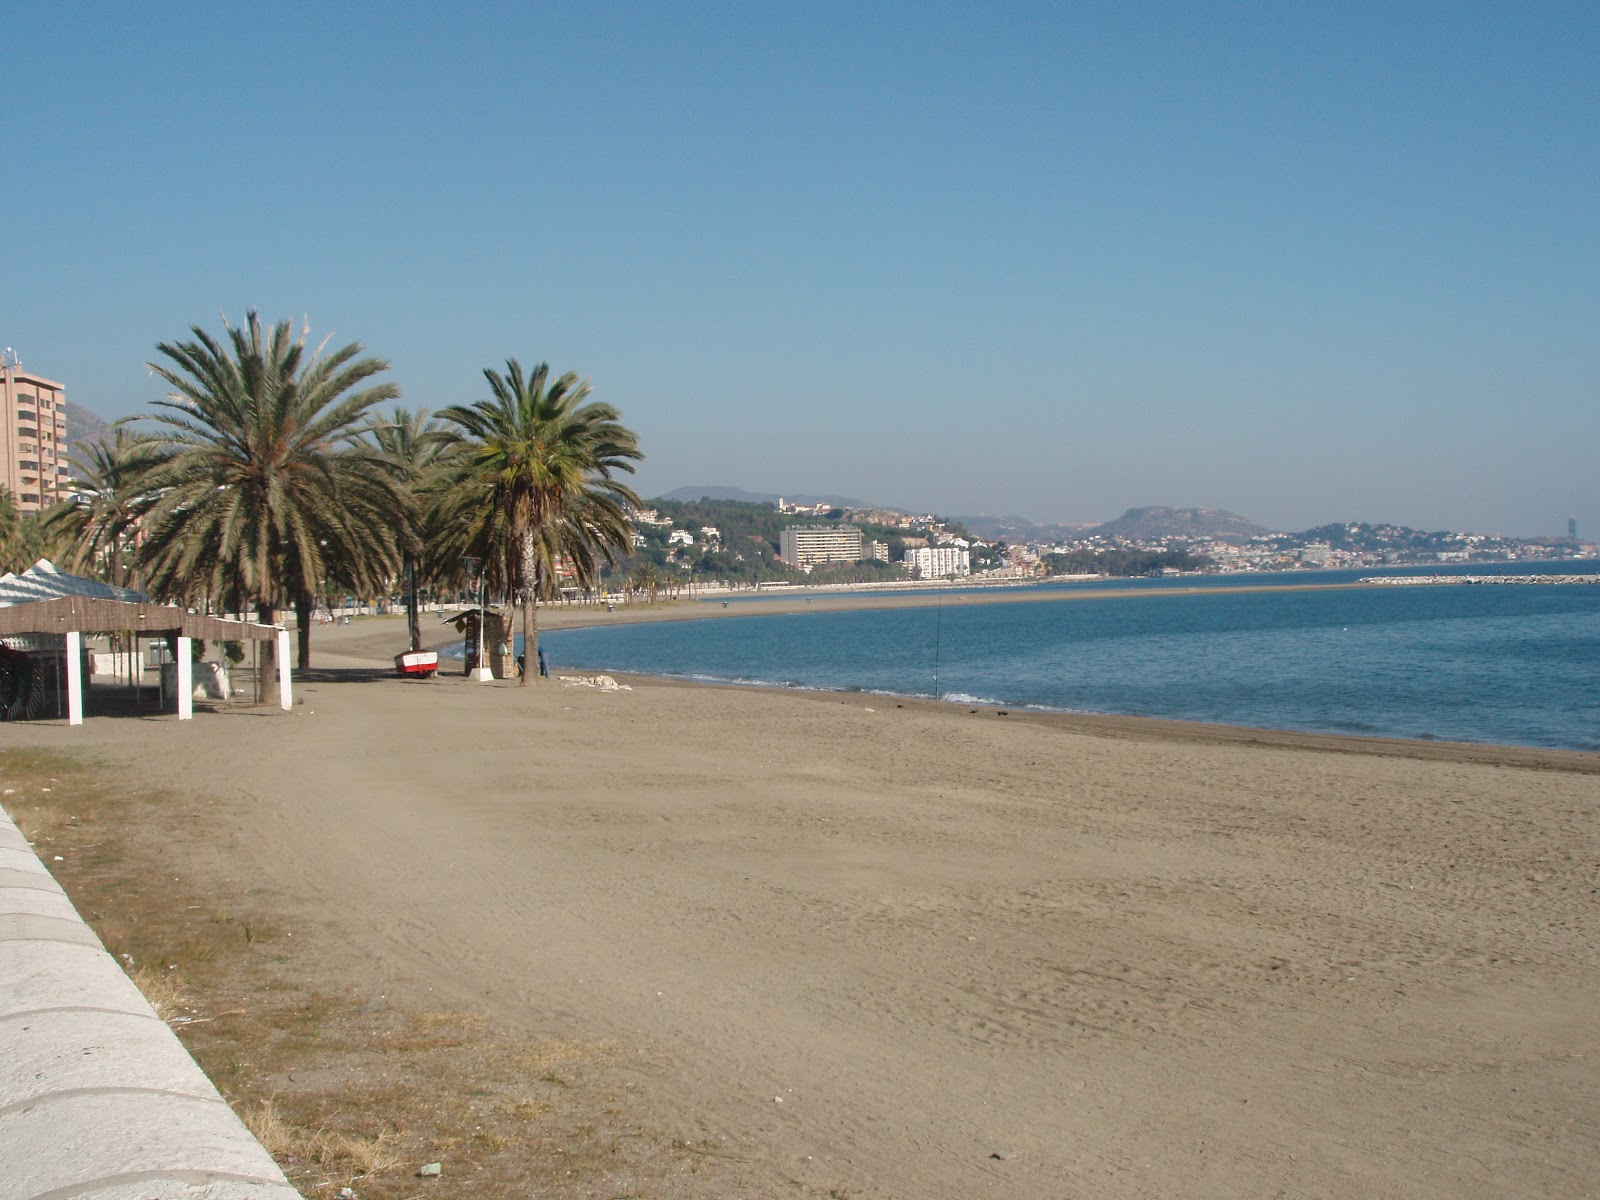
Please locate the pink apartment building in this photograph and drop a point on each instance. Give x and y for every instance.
(33, 436)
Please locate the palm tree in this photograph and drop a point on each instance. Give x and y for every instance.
(96, 526)
(414, 444)
(263, 487)
(646, 578)
(18, 535)
(531, 485)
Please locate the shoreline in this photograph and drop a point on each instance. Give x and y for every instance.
(1165, 729)
(362, 639)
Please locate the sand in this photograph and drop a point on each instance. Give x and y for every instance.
(886, 950)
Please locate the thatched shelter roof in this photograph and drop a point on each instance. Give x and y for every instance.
(86, 614)
(45, 599)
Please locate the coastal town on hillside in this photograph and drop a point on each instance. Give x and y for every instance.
(724, 537)
(744, 541)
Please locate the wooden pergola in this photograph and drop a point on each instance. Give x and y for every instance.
(73, 616)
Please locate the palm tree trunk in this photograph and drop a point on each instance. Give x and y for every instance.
(530, 614)
(413, 615)
(267, 651)
(305, 610)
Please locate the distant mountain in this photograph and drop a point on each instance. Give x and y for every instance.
(83, 430)
(709, 491)
(1020, 530)
(1155, 522)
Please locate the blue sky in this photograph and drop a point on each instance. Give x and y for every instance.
(1304, 262)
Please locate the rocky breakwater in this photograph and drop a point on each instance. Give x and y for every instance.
(1419, 580)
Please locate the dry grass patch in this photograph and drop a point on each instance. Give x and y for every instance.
(544, 1056)
(165, 991)
(41, 826)
(319, 1154)
(433, 1031)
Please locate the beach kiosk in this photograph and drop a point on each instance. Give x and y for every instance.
(496, 640)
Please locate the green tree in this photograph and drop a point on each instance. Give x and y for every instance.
(414, 444)
(95, 528)
(21, 538)
(646, 579)
(264, 490)
(532, 483)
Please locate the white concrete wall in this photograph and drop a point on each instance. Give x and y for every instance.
(98, 1098)
(116, 666)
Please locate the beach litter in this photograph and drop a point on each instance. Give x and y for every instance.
(603, 682)
(429, 1171)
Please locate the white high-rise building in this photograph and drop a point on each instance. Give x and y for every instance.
(805, 546)
(939, 562)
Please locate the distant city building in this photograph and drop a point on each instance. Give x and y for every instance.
(1316, 553)
(33, 436)
(939, 562)
(876, 550)
(820, 509)
(1572, 528)
(805, 546)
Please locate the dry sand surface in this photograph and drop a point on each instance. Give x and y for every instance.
(918, 951)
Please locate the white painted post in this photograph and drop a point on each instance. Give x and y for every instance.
(285, 697)
(74, 677)
(185, 679)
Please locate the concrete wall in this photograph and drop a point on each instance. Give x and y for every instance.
(98, 1098)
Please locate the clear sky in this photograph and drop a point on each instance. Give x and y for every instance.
(1304, 262)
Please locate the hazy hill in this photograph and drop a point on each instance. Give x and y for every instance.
(83, 430)
(1157, 522)
(707, 491)
(1019, 530)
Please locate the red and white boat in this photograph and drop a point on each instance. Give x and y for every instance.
(419, 664)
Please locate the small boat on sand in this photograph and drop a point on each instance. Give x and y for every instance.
(418, 664)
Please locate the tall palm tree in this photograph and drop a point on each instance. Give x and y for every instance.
(264, 488)
(414, 444)
(96, 526)
(532, 485)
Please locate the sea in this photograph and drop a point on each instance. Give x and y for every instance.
(1504, 664)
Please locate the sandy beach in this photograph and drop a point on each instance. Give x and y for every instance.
(886, 949)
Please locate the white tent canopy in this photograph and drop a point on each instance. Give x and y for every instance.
(45, 581)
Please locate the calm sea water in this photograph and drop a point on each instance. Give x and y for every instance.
(1516, 664)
